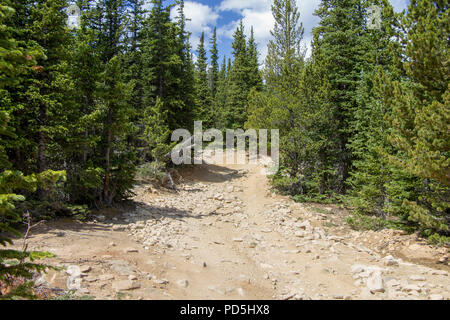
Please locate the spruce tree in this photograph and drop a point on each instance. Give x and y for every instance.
(239, 86)
(420, 119)
(220, 101)
(214, 69)
(204, 100)
(340, 38)
(371, 172)
(284, 50)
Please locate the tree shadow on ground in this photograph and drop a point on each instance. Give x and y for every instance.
(210, 173)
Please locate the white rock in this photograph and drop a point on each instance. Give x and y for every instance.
(241, 292)
(183, 283)
(118, 228)
(73, 271)
(411, 288)
(85, 269)
(417, 278)
(436, 297)
(375, 282)
(439, 273)
(73, 283)
(125, 285)
(390, 261)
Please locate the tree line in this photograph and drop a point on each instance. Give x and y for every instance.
(100, 101)
(365, 119)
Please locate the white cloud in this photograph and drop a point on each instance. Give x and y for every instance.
(399, 5)
(202, 19)
(238, 5)
(257, 13)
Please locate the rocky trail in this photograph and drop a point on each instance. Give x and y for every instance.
(224, 235)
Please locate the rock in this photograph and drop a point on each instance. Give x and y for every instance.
(74, 283)
(436, 297)
(391, 282)
(112, 244)
(375, 283)
(357, 268)
(100, 218)
(238, 240)
(125, 285)
(132, 277)
(417, 278)
(444, 259)
(306, 225)
(390, 261)
(183, 283)
(161, 282)
(84, 291)
(106, 277)
(411, 288)
(300, 234)
(85, 269)
(41, 281)
(91, 279)
(439, 273)
(415, 247)
(240, 292)
(131, 250)
(73, 271)
(121, 267)
(118, 228)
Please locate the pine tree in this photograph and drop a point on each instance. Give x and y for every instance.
(239, 86)
(220, 101)
(164, 66)
(204, 112)
(280, 106)
(255, 81)
(186, 92)
(284, 50)
(420, 118)
(118, 167)
(14, 61)
(340, 38)
(371, 172)
(214, 69)
(42, 98)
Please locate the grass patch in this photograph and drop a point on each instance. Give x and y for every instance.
(359, 221)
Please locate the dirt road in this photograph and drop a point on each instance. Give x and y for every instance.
(224, 235)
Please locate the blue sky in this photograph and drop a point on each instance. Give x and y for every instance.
(226, 14)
